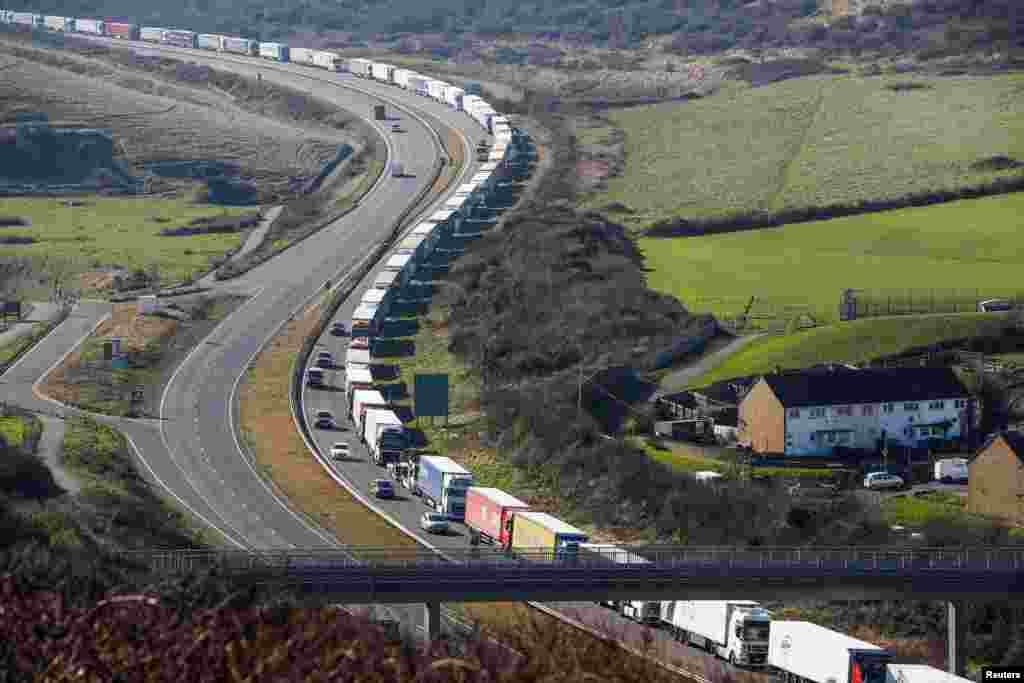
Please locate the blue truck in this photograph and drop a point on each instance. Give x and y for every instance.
(443, 482)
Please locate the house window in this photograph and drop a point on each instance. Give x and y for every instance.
(936, 405)
(844, 410)
(867, 411)
(794, 412)
(817, 412)
(909, 407)
(888, 408)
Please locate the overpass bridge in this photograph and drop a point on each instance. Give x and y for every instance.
(486, 574)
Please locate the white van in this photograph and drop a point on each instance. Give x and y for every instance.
(950, 470)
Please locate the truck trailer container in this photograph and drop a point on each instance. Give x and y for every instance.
(122, 30)
(62, 24)
(361, 400)
(277, 51)
(357, 377)
(210, 41)
(443, 483)
(382, 72)
(920, 673)
(93, 27)
(358, 357)
(414, 245)
(360, 67)
(598, 554)
(489, 514)
(418, 84)
(179, 38)
(401, 77)
(735, 630)
(27, 19)
(435, 89)
(384, 436)
(151, 34)
(328, 60)
(380, 297)
(365, 320)
(453, 96)
(539, 531)
(386, 279)
(403, 265)
(816, 654)
(301, 55)
(242, 46)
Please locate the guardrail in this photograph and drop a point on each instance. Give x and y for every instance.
(627, 560)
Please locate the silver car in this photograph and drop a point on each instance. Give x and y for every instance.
(883, 480)
(433, 523)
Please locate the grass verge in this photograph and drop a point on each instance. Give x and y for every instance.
(120, 231)
(916, 511)
(694, 458)
(17, 430)
(281, 454)
(972, 243)
(154, 346)
(855, 341)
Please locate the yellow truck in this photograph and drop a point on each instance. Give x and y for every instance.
(540, 533)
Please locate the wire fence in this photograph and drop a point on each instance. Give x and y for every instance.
(867, 303)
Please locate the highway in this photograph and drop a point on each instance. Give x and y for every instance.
(192, 450)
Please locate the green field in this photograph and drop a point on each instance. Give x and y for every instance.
(811, 141)
(855, 341)
(118, 231)
(973, 244)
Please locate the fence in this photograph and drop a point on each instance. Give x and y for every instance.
(868, 303)
(754, 314)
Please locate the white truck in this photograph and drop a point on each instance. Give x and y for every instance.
(951, 470)
(735, 630)
(443, 484)
(384, 436)
(363, 400)
(329, 60)
(642, 611)
(920, 673)
(358, 66)
(302, 55)
(808, 652)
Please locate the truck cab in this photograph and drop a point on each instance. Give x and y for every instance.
(642, 611)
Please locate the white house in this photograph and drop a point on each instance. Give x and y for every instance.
(810, 413)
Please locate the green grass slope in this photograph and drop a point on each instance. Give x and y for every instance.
(859, 340)
(813, 141)
(970, 245)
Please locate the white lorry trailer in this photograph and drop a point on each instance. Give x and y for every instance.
(384, 436)
(642, 611)
(920, 673)
(735, 630)
(443, 484)
(801, 651)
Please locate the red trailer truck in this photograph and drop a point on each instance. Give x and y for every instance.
(488, 512)
(122, 30)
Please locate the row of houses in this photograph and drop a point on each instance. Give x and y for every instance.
(816, 411)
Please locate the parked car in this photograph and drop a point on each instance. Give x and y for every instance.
(324, 420)
(382, 488)
(325, 359)
(434, 523)
(883, 480)
(396, 128)
(994, 306)
(339, 451)
(338, 329)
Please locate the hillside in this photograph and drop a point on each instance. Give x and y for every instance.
(454, 26)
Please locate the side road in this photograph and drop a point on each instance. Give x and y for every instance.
(19, 386)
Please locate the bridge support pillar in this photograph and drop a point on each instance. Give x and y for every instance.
(433, 621)
(956, 655)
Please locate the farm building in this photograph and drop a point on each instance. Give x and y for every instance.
(812, 413)
(995, 481)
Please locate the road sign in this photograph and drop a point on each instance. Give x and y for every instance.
(431, 395)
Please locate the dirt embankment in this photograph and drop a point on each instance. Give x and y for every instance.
(172, 132)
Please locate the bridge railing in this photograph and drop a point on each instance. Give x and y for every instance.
(646, 558)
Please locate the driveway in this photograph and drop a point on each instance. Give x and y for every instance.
(50, 446)
(678, 379)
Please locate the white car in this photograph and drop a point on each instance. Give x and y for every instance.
(433, 523)
(883, 480)
(339, 451)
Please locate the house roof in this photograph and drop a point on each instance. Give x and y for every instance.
(1013, 438)
(888, 385)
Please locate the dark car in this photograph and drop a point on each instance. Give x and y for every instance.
(382, 488)
(324, 420)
